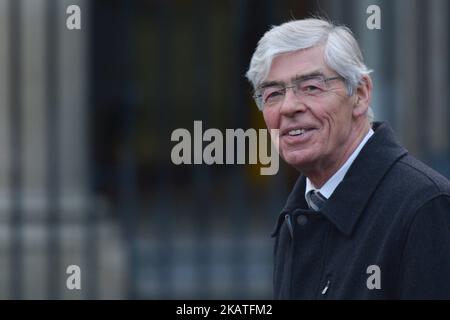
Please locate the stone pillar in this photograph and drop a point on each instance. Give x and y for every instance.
(71, 150)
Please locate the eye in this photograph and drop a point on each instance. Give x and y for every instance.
(272, 95)
(310, 89)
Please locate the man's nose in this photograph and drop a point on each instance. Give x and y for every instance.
(291, 103)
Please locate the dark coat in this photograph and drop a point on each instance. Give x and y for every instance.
(390, 211)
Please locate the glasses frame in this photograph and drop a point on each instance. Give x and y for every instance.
(258, 96)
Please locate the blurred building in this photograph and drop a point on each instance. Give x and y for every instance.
(85, 123)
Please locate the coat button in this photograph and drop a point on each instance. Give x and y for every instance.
(302, 220)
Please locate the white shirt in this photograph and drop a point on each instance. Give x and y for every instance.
(332, 183)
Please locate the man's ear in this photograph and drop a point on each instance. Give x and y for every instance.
(363, 96)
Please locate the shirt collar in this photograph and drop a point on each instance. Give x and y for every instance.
(374, 160)
(331, 184)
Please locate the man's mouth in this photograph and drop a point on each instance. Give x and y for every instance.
(297, 132)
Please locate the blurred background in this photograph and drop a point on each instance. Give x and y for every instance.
(85, 123)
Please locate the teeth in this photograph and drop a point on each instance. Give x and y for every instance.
(296, 132)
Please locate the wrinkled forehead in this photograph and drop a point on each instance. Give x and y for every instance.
(305, 77)
(287, 66)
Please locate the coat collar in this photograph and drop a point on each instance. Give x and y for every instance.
(348, 201)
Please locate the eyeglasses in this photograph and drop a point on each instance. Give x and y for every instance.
(272, 94)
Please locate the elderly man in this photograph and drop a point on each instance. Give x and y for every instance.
(365, 219)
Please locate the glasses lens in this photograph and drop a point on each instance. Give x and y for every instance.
(311, 87)
(272, 95)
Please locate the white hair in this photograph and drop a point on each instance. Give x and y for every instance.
(341, 51)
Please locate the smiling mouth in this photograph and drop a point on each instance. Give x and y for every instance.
(297, 132)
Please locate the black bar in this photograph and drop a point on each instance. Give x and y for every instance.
(16, 179)
(90, 222)
(127, 175)
(239, 115)
(423, 81)
(54, 267)
(202, 181)
(164, 226)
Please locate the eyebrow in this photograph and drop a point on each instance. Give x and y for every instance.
(306, 76)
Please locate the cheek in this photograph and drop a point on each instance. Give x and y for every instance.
(333, 116)
(271, 118)
(336, 127)
(329, 135)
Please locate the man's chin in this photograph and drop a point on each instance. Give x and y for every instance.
(297, 159)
